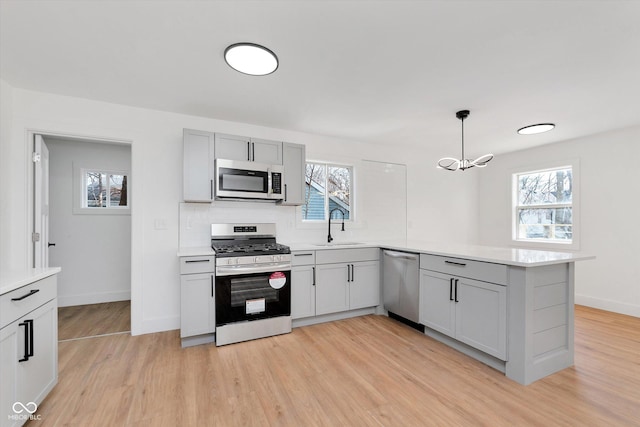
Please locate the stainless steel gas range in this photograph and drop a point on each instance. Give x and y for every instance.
(253, 282)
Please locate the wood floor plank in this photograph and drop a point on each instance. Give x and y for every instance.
(89, 320)
(366, 371)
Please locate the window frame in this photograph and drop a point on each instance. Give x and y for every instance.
(80, 203)
(554, 244)
(352, 210)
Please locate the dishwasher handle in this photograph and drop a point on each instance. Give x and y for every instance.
(402, 255)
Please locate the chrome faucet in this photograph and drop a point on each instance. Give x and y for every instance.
(329, 238)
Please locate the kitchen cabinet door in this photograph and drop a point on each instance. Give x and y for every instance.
(265, 151)
(198, 166)
(233, 147)
(38, 375)
(303, 292)
(481, 316)
(437, 308)
(10, 348)
(294, 161)
(197, 304)
(332, 288)
(364, 288)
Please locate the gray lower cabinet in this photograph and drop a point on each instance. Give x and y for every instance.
(198, 166)
(28, 347)
(347, 286)
(294, 161)
(470, 311)
(303, 285)
(197, 300)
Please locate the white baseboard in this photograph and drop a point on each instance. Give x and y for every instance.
(158, 324)
(608, 305)
(93, 298)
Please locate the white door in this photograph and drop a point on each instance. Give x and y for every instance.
(40, 235)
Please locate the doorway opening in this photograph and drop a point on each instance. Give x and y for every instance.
(82, 223)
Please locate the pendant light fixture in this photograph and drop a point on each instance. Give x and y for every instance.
(451, 164)
(534, 129)
(251, 58)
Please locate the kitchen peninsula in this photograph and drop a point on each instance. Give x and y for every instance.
(510, 308)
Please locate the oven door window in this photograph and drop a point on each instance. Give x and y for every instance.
(243, 180)
(252, 296)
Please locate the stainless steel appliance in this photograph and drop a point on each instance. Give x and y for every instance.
(248, 180)
(252, 283)
(401, 287)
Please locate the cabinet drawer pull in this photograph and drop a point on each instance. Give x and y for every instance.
(451, 289)
(197, 260)
(302, 254)
(314, 276)
(456, 294)
(461, 264)
(33, 291)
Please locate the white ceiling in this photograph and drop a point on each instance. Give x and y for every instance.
(392, 72)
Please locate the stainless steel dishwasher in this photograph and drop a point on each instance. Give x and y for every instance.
(401, 287)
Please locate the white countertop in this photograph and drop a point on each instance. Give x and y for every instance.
(12, 280)
(196, 251)
(520, 257)
(499, 255)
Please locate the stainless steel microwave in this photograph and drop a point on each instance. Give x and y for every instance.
(237, 179)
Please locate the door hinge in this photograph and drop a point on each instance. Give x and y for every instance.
(35, 237)
(35, 157)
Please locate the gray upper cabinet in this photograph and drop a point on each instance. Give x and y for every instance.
(294, 160)
(233, 147)
(198, 166)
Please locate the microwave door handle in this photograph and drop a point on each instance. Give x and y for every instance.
(269, 182)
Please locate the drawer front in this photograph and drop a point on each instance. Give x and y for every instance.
(332, 256)
(303, 258)
(478, 270)
(197, 264)
(21, 301)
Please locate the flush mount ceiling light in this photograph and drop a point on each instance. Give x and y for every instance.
(533, 129)
(451, 164)
(251, 58)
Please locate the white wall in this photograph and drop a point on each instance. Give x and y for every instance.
(156, 143)
(609, 182)
(94, 250)
(7, 178)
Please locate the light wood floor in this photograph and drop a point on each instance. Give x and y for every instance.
(93, 319)
(367, 371)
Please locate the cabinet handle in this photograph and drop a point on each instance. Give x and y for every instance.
(248, 151)
(353, 276)
(190, 261)
(285, 192)
(456, 297)
(461, 264)
(451, 289)
(33, 291)
(211, 189)
(28, 339)
(348, 273)
(253, 151)
(212, 286)
(314, 274)
(303, 254)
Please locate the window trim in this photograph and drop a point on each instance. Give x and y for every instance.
(352, 196)
(79, 182)
(560, 245)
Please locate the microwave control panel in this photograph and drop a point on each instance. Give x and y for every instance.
(276, 183)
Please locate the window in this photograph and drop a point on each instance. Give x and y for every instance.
(544, 205)
(103, 189)
(328, 188)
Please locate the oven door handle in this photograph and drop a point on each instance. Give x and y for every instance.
(234, 270)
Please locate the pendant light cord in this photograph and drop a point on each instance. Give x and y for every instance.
(462, 158)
